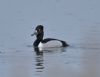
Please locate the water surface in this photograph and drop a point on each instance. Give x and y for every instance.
(77, 22)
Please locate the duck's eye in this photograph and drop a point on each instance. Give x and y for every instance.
(39, 29)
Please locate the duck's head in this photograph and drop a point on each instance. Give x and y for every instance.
(39, 32)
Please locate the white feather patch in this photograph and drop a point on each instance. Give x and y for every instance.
(53, 43)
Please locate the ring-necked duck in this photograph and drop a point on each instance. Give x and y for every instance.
(48, 42)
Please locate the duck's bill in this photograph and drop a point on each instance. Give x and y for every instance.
(35, 33)
(32, 34)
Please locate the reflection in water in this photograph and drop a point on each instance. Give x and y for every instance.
(39, 65)
(39, 60)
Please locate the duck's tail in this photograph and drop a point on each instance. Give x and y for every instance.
(64, 44)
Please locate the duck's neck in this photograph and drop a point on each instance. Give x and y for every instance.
(40, 36)
(38, 40)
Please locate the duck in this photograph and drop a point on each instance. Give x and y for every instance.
(47, 42)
